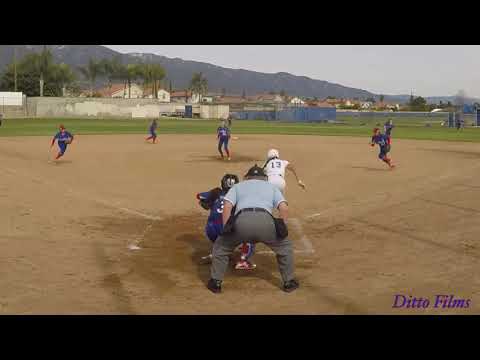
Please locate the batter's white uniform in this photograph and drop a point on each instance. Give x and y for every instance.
(275, 170)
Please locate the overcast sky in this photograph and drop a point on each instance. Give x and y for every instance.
(428, 70)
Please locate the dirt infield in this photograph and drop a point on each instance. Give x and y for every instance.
(362, 233)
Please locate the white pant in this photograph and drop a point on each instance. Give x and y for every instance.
(278, 181)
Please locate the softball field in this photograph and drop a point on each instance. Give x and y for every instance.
(362, 233)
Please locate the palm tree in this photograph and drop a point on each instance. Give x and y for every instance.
(151, 74)
(134, 71)
(91, 72)
(63, 75)
(198, 85)
(157, 75)
(145, 73)
(43, 63)
(112, 69)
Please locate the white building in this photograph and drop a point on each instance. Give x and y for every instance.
(366, 105)
(122, 91)
(162, 95)
(297, 101)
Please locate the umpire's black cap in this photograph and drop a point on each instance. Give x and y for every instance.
(255, 171)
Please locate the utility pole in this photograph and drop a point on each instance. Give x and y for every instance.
(15, 66)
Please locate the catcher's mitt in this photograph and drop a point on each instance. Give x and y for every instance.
(68, 141)
(204, 204)
(207, 203)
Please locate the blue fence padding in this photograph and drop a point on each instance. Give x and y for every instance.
(397, 114)
(477, 122)
(294, 114)
(468, 109)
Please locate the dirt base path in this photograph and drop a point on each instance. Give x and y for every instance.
(362, 233)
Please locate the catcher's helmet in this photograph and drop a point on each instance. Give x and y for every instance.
(228, 181)
(272, 154)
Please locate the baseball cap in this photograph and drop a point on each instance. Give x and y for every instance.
(255, 171)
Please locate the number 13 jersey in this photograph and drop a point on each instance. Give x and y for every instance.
(276, 167)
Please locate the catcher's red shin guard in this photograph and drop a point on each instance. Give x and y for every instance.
(245, 250)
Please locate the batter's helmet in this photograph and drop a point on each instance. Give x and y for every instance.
(272, 154)
(228, 181)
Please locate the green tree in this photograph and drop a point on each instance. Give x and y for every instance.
(91, 71)
(157, 73)
(244, 94)
(152, 74)
(199, 85)
(35, 69)
(44, 64)
(224, 91)
(282, 93)
(418, 104)
(63, 76)
(382, 98)
(112, 69)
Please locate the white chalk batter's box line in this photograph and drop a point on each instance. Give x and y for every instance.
(304, 240)
(308, 247)
(79, 195)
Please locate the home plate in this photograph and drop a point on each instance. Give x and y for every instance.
(134, 247)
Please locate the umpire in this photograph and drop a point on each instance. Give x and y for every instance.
(254, 200)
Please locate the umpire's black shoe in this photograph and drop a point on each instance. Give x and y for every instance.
(214, 286)
(291, 285)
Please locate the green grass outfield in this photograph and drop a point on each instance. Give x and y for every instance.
(406, 128)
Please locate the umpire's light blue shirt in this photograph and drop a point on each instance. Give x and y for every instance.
(254, 194)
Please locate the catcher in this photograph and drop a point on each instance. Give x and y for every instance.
(213, 200)
(64, 138)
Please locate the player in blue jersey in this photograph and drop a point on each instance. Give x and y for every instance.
(213, 201)
(383, 143)
(153, 132)
(388, 127)
(64, 138)
(223, 136)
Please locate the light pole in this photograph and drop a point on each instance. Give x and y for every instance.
(42, 68)
(15, 67)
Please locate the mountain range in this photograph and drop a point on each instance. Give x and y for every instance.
(179, 72)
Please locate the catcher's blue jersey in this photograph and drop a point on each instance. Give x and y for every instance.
(214, 226)
(62, 137)
(216, 209)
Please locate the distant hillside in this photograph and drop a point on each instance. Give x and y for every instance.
(179, 71)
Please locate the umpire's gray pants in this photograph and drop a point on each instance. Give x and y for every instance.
(252, 227)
